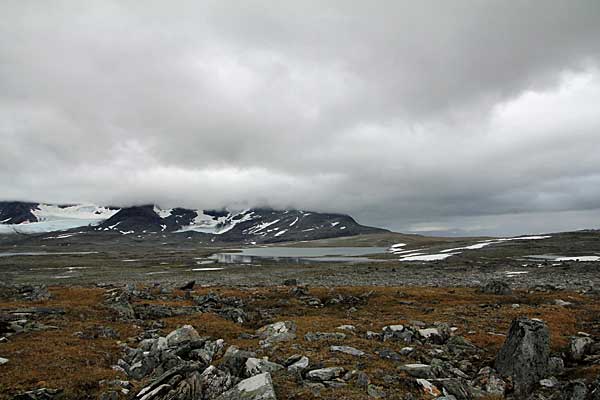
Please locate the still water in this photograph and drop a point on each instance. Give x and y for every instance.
(299, 254)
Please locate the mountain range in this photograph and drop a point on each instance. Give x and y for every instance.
(256, 225)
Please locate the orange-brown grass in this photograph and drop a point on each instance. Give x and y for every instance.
(59, 359)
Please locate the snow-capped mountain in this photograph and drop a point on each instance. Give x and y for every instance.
(258, 225)
(21, 217)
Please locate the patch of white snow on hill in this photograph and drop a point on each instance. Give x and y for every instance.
(163, 213)
(334, 223)
(471, 247)
(207, 269)
(579, 258)
(427, 257)
(296, 220)
(281, 232)
(257, 228)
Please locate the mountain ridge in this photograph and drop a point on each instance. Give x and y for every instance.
(256, 225)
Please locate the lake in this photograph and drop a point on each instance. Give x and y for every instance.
(299, 254)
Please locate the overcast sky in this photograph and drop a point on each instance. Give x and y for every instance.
(461, 116)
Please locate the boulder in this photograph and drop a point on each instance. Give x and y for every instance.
(256, 366)
(258, 387)
(525, 353)
(186, 333)
(317, 336)
(347, 350)
(297, 363)
(496, 287)
(188, 286)
(39, 394)
(579, 347)
(324, 374)
(574, 390)
(418, 370)
(235, 360)
(3, 360)
(214, 382)
(277, 332)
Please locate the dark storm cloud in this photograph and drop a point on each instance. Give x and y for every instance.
(405, 114)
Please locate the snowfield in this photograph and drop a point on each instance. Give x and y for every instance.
(422, 254)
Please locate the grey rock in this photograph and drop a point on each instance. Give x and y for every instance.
(325, 374)
(525, 353)
(362, 380)
(556, 366)
(418, 370)
(3, 360)
(39, 394)
(350, 328)
(235, 360)
(370, 335)
(186, 333)
(551, 382)
(496, 287)
(299, 365)
(393, 332)
(456, 388)
(489, 382)
(317, 336)
(375, 392)
(258, 387)
(255, 366)
(574, 390)
(277, 332)
(562, 303)
(348, 350)
(214, 382)
(579, 347)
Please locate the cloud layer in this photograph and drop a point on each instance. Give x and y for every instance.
(407, 115)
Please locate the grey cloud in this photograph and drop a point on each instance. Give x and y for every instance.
(397, 112)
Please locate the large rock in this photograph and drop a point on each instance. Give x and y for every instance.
(214, 382)
(235, 360)
(256, 366)
(525, 353)
(277, 332)
(39, 394)
(324, 374)
(186, 333)
(579, 347)
(347, 350)
(258, 387)
(496, 287)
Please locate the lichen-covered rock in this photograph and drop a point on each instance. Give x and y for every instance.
(186, 333)
(496, 287)
(214, 381)
(277, 332)
(347, 350)
(324, 374)
(579, 347)
(235, 360)
(258, 387)
(255, 366)
(525, 353)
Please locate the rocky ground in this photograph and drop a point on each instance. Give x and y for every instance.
(292, 341)
(130, 318)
